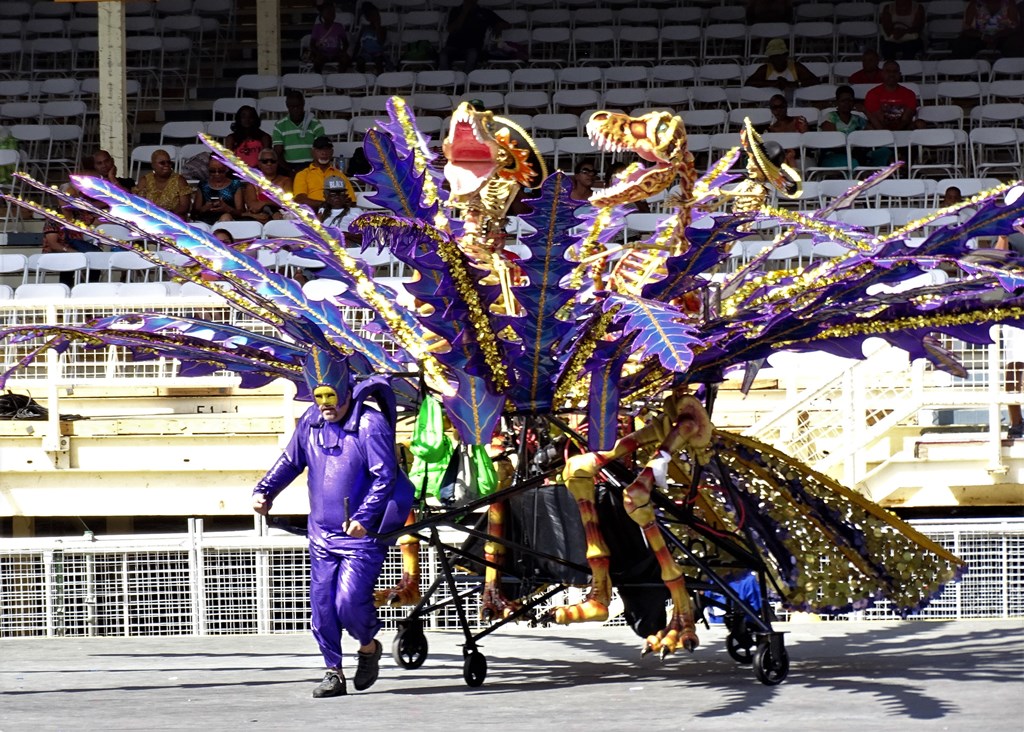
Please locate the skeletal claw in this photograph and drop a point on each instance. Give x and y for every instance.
(664, 652)
(647, 648)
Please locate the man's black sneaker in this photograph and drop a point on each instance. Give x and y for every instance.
(332, 685)
(369, 667)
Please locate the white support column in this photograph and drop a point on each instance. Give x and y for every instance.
(268, 36)
(113, 99)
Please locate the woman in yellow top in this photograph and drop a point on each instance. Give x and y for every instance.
(164, 187)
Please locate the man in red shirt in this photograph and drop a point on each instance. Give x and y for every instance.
(868, 73)
(890, 105)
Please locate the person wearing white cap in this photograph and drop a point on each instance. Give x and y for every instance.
(780, 71)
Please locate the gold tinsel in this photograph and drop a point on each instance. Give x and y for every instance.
(477, 316)
(921, 321)
(567, 387)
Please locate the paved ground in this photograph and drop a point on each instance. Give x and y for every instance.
(966, 675)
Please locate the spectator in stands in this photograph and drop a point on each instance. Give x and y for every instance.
(584, 179)
(841, 119)
(468, 28)
(990, 26)
(308, 186)
(293, 136)
(347, 449)
(869, 72)
(328, 40)
(950, 197)
(783, 121)
(339, 209)
(219, 197)
(780, 71)
(103, 166)
(890, 105)
(621, 168)
(258, 205)
(57, 241)
(164, 187)
(371, 40)
(902, 23)
(247, 138)
(769, 11)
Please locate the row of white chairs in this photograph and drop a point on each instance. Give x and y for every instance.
(60, 88)
(555, 78)
(42, 9)
(999, 101)
(87, 26)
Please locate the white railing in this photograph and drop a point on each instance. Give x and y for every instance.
(216, 584)
(832, 423)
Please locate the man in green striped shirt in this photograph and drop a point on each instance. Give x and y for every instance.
(293, 136)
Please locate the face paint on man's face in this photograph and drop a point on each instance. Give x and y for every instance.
(325, 396)
(326, 399)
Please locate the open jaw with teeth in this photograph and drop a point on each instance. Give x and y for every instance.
(657, 137)
(471, 150)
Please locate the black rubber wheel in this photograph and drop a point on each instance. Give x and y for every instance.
(409, 648)
(770, 670)
(474, 669)
(741, 650)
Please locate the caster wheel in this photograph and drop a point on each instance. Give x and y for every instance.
(770, 670)
(474, 668)
(409, 648)
(740, 649)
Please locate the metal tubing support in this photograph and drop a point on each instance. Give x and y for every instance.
(722, 586)
(453, 590)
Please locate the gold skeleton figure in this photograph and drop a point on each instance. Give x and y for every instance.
(683, 424)
(764, 174)
(485, 170)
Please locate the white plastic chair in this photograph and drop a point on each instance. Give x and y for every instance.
(95, 290)
(241, 230)
(943, 147)
(679, 42)
(871, 140)
(995, 149)
(831, 141)
(130, 264)
(308, 83)
(253, 85)
(46, 291)
(142, 290)
(60, 262)
(489, 80)
(12, 264)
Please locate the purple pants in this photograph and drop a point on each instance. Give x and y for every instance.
(341, 585)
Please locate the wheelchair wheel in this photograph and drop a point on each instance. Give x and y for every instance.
(474, 668)
(770, 669)
(409, 648)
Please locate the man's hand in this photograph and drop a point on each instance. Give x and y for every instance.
(354, 529)
(261, 505)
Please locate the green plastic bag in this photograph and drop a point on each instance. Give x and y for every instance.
(431, 447)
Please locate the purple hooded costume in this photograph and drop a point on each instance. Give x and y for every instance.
(352, 460)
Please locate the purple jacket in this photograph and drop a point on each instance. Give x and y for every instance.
(353, 459)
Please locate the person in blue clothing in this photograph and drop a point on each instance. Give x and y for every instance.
(346, 444)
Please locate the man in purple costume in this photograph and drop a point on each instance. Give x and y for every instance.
(356, 491)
